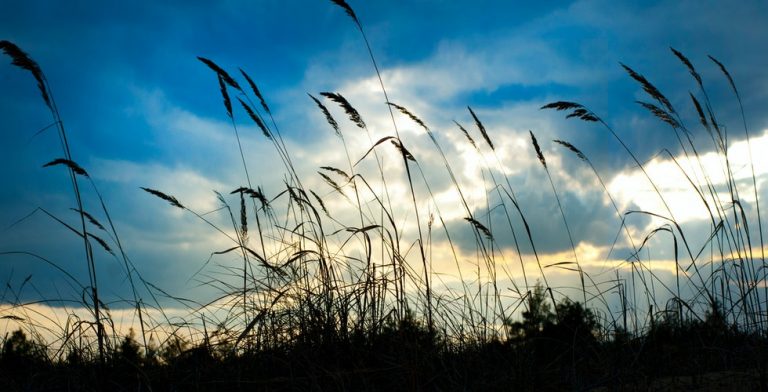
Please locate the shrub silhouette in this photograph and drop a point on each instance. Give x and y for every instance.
(18, 350)
(571, 323)
(20, 360)
(575, 323)
(129, 350)
(536, 318)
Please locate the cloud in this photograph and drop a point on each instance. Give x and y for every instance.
(591, 217)
(675, 180)
(143, 112)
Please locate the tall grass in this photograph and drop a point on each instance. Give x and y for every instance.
(316, 284)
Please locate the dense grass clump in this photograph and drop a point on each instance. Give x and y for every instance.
(328, 300)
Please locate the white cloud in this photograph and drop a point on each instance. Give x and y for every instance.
(710, 169)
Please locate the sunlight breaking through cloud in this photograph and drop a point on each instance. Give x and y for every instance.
(676, 177)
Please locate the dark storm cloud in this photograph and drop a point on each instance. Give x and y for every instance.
(591, 219)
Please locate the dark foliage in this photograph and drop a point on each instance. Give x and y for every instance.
(558, 348)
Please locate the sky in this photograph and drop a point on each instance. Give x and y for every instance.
(141, 111)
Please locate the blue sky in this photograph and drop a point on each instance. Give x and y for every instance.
(140, 110)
